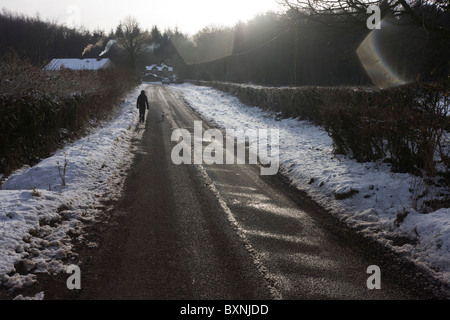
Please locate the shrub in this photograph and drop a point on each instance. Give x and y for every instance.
(407, 125)
(40, 111)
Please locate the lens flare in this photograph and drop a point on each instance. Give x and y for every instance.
(375, 63)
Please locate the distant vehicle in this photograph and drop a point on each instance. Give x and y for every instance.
(151, 77)
(165, 81)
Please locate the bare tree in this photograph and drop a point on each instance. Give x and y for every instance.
(417, 41)
(132, 40)
(431, 15)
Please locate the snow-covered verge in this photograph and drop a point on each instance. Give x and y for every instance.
(367, 196)
(42, 207)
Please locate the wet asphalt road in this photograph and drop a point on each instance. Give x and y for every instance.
(225, 232)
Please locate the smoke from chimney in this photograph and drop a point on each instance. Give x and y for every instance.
(153, 47)
(92, 46)
(108, 47)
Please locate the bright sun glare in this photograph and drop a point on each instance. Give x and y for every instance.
(196, 14)
(188, 16)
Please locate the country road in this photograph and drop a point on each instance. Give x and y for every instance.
(223, 232)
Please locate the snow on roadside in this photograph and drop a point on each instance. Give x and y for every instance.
(367, 196)
(38, 211)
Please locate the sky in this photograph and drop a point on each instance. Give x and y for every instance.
(189, 16)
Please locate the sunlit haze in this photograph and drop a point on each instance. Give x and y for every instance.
(188, 16)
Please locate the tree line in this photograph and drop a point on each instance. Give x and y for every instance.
(309, 43)
(316, 43)
(40, 41)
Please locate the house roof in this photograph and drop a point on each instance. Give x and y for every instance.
(78, 64)
(159, 68)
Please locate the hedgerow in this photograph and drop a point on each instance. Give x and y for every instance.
(407, 126)
(40, 111)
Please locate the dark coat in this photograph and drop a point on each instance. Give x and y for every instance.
(142, 102)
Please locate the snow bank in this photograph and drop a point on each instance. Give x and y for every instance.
(367, 196)
(42, 205)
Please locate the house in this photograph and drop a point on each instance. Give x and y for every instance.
(79, 64)
(159, 72)
(162, 68)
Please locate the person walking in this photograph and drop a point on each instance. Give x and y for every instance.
(142, 104)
